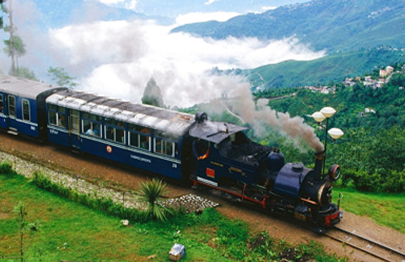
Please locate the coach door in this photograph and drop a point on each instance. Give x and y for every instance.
(3, 121)
(75, 140)
(12, 113)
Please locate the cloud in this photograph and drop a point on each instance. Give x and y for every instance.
(100, 42)
(266, 8)
(26, 19)
(119, 58)
(210, 2)
(110, 2)
(196, 17)
(131, 5)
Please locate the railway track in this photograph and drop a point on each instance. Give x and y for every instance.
(368, 246)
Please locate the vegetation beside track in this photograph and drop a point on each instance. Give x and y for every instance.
(71, 231)
(386, 209)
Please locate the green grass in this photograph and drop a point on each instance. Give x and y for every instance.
(386, 209)
(73, 232)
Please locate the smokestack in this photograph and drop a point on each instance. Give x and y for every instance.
(319, 157)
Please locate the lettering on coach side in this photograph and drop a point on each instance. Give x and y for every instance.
(53, 132)
(141, 159)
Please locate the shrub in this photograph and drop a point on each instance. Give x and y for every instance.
(395, 181)
(104, 204)
(151, 192)
(6, 168)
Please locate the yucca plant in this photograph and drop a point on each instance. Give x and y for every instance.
(151, 192)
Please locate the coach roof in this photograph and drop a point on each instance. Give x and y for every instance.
(144, 115)
(23, 87)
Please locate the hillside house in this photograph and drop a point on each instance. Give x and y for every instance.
(380, 83)
(349, 82)
(383, 73)
(374, 84)
(322, 89)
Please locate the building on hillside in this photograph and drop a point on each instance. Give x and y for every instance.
(369, 110)
(389, 69)
(349, 82)
(383, 73)
(374, 84)
(322, 89)
(380, 83)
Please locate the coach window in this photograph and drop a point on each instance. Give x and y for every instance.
(164, 143)
(56, 116)
(26, 110)
(11, 106)
(74, 124)
(1, 104)
(114, 130)
(139, 136)
(91, 124)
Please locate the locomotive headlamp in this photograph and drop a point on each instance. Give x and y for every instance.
(334, 172)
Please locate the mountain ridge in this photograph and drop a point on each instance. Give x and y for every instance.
(332, 25)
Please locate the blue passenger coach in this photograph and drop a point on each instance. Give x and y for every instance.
(143, 136)
(22, 106)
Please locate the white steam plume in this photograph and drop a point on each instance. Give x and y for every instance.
(260, 115)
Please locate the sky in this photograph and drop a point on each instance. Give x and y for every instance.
(119, 58)
(175, 8)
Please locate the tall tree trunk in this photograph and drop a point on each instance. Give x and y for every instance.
(10, 10)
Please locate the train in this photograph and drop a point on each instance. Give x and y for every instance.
(172, 144)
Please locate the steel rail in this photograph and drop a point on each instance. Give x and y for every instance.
(382, 246)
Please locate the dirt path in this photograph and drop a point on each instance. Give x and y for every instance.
(102, 171)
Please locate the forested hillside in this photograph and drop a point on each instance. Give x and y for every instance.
(371, 152)
(324, 70)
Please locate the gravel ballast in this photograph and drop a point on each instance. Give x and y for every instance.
(190, 202)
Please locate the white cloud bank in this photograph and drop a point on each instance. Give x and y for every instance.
(210, 2)
(125, 55)
(110, 2)
(203, 17)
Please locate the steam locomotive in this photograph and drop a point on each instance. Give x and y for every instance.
(172, 144)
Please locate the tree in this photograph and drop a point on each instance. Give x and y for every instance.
(3, 10)
(25, 72)
(152, 95)
(59, 75)
(24, 225)
(14, 45)
(151, 192)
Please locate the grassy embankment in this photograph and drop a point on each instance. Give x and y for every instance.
(73, 232)
(384, 208)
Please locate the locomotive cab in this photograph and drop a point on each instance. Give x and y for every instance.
(222, 152)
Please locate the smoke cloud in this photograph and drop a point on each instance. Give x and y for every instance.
(260, 116)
